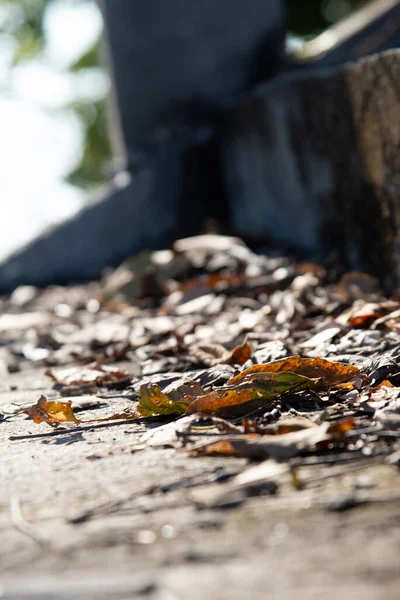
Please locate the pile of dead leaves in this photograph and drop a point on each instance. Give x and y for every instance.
(242, 354)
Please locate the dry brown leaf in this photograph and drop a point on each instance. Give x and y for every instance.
(54, 412)
(383, 393)
(348, 386)
(249, 395)
(355, 285)
(210, 355)
(289, 426)
(274, 446)
(390, 320)
(361, 315)
(93, 374)
(236, 448)
(384, 383)
(326, 372)
(215, 354)
(259, 479)
(340, 428)
(215, 281)
(166, 435)
(218, 400)
(240, 354)
(363, 321)
(51, 412)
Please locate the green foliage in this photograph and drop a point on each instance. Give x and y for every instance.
(97, 150)
(310, 17)
(24, 21)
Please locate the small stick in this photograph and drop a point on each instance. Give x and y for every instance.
(35, 436)
(133, 396)
(334, 459)
(23, 526)
(380, 432)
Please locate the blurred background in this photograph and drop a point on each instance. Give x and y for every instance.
(54, 143)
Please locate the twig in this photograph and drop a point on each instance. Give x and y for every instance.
(132, 396)
(188, 434)
(23, 526)
(378, 431)
(333, 459)
(333, 472)
(35, 436)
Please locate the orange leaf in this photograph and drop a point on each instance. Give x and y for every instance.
(223, 448)
(328, 373)
(218, 400)
(384, 383)
(240, 354)
(47, 411)
(363, 321)
(251, 394)
(341, 427)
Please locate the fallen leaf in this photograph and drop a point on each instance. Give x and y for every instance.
(273, 446)
(391, 320)
(208, 242)
(254, 481)
(357, 285)
(340, 428)
(184, 391)
(166, 435)
(48, 411)
(255, 391)
(215, 281)
(25, 320)
(53, 412)
(323, 337)
(289, 426)
(326, 372)
(153, 401)
(384, 392)
(220, 401)
(93, 374)
(363, 321)
(210, 355)
(240, 354)
(214, 354)
(361, 315)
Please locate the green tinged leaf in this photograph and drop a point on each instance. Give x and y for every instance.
(153, 402)
(263, 387)
(253, 387)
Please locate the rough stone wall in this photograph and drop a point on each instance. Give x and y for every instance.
(314, 161)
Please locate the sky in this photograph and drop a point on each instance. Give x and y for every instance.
(41, 139)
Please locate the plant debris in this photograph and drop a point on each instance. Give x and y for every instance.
(220, 352)
(47, 411)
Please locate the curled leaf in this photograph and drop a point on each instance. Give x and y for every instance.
(275, 446)
(326, 372)
(210, 354)
(47, 411)
(167, 435)
(240, 354)
(93, 374)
